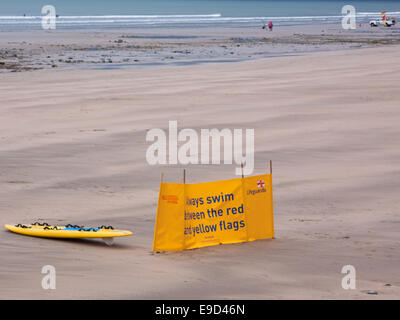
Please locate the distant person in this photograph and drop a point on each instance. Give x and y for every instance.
(263, 26)
(270, 25)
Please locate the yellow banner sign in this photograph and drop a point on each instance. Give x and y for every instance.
(205, 214)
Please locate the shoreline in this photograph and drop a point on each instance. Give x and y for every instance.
(132, 48)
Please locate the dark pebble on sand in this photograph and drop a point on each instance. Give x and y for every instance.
(373, 292)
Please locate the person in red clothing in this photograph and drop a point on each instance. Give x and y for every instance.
(270, 25)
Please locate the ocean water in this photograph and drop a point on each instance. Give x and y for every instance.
(78, 14)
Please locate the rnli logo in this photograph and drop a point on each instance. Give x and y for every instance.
(260, 188)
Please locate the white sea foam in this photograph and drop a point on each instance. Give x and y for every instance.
(200, 19)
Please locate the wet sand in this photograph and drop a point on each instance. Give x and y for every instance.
(137, 48)
(72, 150)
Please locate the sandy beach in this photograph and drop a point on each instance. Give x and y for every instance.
(72, 150)
(143, 47)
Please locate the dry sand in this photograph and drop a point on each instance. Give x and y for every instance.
(72, 150)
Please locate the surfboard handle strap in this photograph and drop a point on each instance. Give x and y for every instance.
(22, 226)
(88, 229)
(44, 224)
(74, 226)
(50, 228)
(105, 227)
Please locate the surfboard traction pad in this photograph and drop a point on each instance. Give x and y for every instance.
(37, 229)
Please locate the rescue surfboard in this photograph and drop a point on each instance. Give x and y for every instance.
(44, 230)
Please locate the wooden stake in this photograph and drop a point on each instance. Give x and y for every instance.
(184, 175)
(270, 167)
(242, 169)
